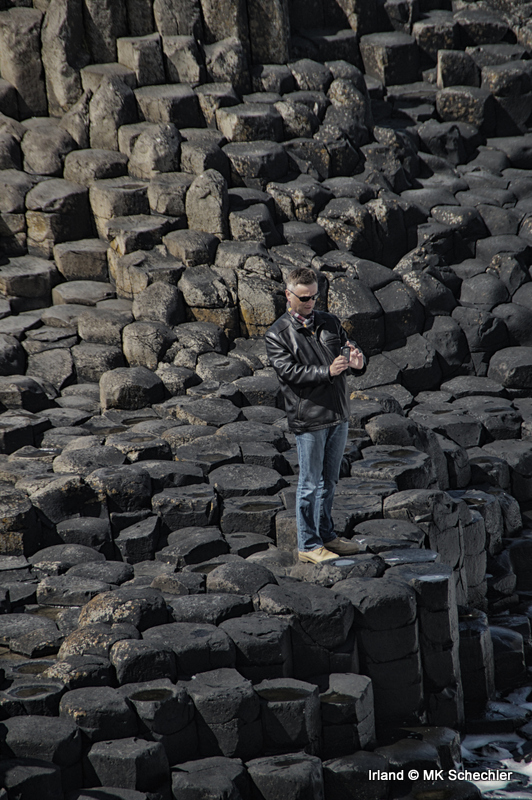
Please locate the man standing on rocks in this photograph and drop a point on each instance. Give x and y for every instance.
(310, 353)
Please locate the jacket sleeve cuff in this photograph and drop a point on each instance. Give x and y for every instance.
(325, 374)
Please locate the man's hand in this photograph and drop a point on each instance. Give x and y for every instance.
(339, 365)
(357, 357)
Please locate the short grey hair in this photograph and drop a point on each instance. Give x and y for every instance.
(303, 276)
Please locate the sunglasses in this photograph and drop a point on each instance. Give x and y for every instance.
(306, 298)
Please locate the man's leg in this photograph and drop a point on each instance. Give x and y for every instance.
(310, 453)
(332, 460)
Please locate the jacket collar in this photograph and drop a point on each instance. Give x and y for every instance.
(318, 320)
(305, 322)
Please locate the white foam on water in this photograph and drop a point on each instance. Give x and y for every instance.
(482, 751)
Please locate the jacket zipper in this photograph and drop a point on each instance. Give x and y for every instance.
(318, 347)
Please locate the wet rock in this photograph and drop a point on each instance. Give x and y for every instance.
(292, 707)
(406, 752)
(434, 585)
(186, 506)
(61, 744)
(339, 774)
(131, 763)
(33, 775)
(476, 660)
(163, 707)
(310, 604)
(279, 775)
(508, 656)
(228, 722)
(262, 646)
(369, 600)
(214, 774)
(347, 711)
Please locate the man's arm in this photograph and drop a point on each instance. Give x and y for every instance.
(357, 359)
(289, 369)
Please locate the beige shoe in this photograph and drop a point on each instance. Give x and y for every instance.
(316, 556)
(343, 547)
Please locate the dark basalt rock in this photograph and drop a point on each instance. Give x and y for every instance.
(148, 473)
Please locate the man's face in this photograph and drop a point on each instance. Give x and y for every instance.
(294, 293)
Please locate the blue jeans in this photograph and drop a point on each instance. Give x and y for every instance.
(320, 456)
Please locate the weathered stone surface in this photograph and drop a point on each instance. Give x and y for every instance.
(466, 104)
(207, 204)
(510, 367)
(112, 105)
(230, 724)
(235, 480)
(226, 61)
(64, 54)
(156, 150)
(276, 775)
(141, 607)
(268, 30)
(100, 712)
(130, 388)
(390, 57)
(214, 774)
(182, 59)
(170, 103)
(21, 58)
(44, 148)
(87, 166)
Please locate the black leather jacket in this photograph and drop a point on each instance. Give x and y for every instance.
(301, 359)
